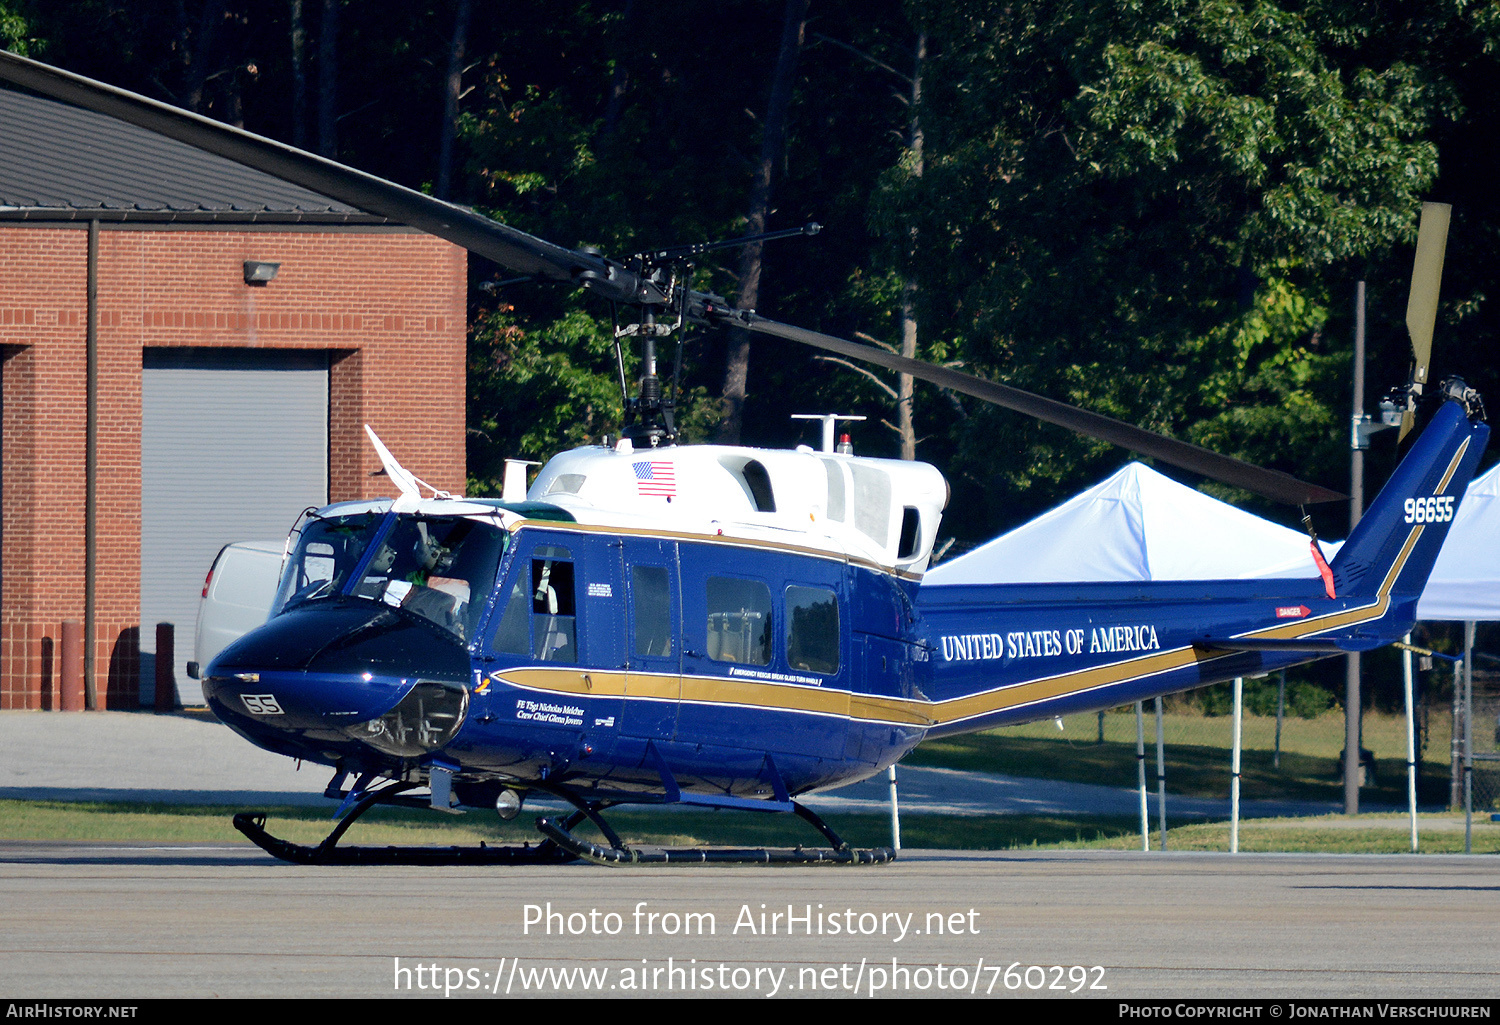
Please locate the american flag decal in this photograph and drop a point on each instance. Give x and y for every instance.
(655, 477)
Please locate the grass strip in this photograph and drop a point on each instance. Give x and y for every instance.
(1328, 834)
(94, 821)
(1192, 770)
(67, 820)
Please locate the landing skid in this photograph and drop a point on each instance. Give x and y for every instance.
(559, 847)
(253, 824)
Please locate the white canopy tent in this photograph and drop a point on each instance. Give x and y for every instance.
(1465, 585)
(1140, 525)
(1465, 582)
(1137, 525)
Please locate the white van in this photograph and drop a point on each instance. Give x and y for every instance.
(237, 597)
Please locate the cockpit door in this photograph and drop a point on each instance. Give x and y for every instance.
(653, 638)
(554, 610)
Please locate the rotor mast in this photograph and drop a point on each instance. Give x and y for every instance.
(650, 416)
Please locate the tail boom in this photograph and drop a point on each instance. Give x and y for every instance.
(1010, 653)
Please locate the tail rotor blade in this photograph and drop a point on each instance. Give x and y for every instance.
(1426, 282)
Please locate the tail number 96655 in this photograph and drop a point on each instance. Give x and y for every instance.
(1434, 509)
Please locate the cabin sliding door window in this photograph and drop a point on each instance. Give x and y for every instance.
(812, 629)
(739, 621)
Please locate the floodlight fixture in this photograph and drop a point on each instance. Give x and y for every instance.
(258, 272)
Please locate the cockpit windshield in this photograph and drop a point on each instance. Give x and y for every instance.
(441, 568)
(327, 550)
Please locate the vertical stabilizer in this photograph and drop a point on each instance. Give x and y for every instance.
(1392, 550)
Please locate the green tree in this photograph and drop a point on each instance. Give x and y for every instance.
(13, 30)
(1154, 208)
(1135, 207)
(639, 140)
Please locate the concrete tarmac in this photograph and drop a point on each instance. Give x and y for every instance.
(131, 921)
(138, 921)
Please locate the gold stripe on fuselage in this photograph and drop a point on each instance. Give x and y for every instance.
(716, 690)
(770, 695)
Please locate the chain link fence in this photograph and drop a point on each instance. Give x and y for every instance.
(1485, 705)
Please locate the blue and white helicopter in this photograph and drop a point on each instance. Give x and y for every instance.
(723, 626)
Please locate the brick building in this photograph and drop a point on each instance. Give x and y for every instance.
(222, 407)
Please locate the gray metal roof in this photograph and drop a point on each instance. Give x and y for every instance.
(60, 162)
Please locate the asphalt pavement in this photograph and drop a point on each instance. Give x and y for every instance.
(143, 920)
(121, 920)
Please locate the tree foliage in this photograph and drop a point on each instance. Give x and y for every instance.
(1154, 208)
(1137, 207)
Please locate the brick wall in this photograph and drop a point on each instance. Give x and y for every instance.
(389, 308)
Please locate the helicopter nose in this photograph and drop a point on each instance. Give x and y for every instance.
(330, 665)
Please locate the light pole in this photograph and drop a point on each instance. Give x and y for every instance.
(1360, 429)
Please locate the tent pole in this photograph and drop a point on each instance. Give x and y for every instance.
(1455, 741)
(1411, 740)
(895, 814)
(1234, 776)
(1352, 719)
(1280, 712)
(1161, 777)
(1140, 775)
(1469, 737)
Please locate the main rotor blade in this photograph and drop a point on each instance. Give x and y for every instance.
(515, 250)
(1426, 281)
(1272, 484)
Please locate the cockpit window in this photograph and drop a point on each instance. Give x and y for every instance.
(327, 550)
(440, 568)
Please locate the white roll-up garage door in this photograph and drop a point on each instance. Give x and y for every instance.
(234, 444)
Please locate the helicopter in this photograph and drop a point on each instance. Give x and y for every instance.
(722, 626)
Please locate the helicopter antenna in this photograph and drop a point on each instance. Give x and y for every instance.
(830, 422)
(410, 484)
